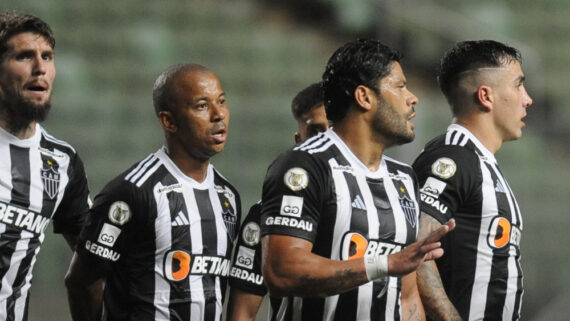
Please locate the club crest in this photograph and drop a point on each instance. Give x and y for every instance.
(50, 177)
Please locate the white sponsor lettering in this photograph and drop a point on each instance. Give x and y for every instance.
(246, 276)
(109, 234)
(23, 218)
(378, 248)
(212, 265)
(245, 257)
(102, 251)
(290, 222)
(426, 199)
(291, 205)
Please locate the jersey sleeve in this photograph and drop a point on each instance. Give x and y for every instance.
(293, 195)
(447, 177)
(110, 224)
(72, 211)
(246, 266)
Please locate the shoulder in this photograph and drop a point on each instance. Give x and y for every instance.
(50, 142)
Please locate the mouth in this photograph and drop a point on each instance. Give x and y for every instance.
(37, 87)
(219, 135)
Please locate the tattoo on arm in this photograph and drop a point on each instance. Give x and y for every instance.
(436, 303)
(342, 281)
(413, 314)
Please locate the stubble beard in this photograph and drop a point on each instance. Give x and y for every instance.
(392, 126)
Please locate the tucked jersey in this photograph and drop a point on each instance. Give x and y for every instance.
(165, 240)
(319, 191)
(41, 179)
(481, 269)
(246, 266)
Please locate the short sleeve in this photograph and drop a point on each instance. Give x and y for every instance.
(448, 177)
(110, 224)
(293, 195)
(246, 266)
(72, 211)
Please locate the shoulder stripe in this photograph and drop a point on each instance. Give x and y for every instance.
(141, 168)
(454, 137)
(155, 166)
(54, 140)
(316, 145)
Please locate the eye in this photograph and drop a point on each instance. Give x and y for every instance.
(47, 57)
(202, 106)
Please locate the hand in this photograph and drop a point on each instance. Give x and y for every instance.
(410, 258)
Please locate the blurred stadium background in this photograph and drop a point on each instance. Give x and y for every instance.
(265, 51)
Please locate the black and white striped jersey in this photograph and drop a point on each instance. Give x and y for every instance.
(321, 192)
(166, 241)
(246, 266)
(41, 179)
(480, 270)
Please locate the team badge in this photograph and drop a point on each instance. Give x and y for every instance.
(409, 208)
(444, 167)
(50, 177)
(296, 179)
(230, 219)
(251, 234)
(119, 213)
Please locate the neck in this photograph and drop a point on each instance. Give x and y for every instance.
(361, 141)
(483, 130)
(191, 167)
(22, 129)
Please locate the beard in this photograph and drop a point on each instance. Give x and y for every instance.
(20, 112)
(392, 126)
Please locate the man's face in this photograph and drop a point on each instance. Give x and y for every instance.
(200, 114)
(27, 71)
(311, 123)
(511, 101)
(395, 108)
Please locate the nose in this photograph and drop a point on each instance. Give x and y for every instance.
(412, 100)
(527, 99)
(219, 111)
(40, 65)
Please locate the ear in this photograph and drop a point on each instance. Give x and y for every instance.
(167, 121)
(485, 97)
(363, 96)
(297, 138)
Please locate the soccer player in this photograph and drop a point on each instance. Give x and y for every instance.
(41, 178)
(339, 219)
(246, 281)
(160, 235)
(480, 277)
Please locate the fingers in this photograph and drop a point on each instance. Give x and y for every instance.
(433, 255)
(440, 232)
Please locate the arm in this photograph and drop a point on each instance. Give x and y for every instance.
(290, 268)
(71, 240)
(243, 306)
(435, 300)
(84, 290)
(412, 308)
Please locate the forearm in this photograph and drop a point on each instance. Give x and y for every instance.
(436, 303)
(84, 285)
(412, 308)
(314, 276)
(243, 306)
(85, 304)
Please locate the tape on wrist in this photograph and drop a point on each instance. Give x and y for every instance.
(376, 266)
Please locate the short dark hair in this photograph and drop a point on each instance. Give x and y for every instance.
(469, 56)
(13, 23)
(361, 62)
(161, 92)
(307, 99)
